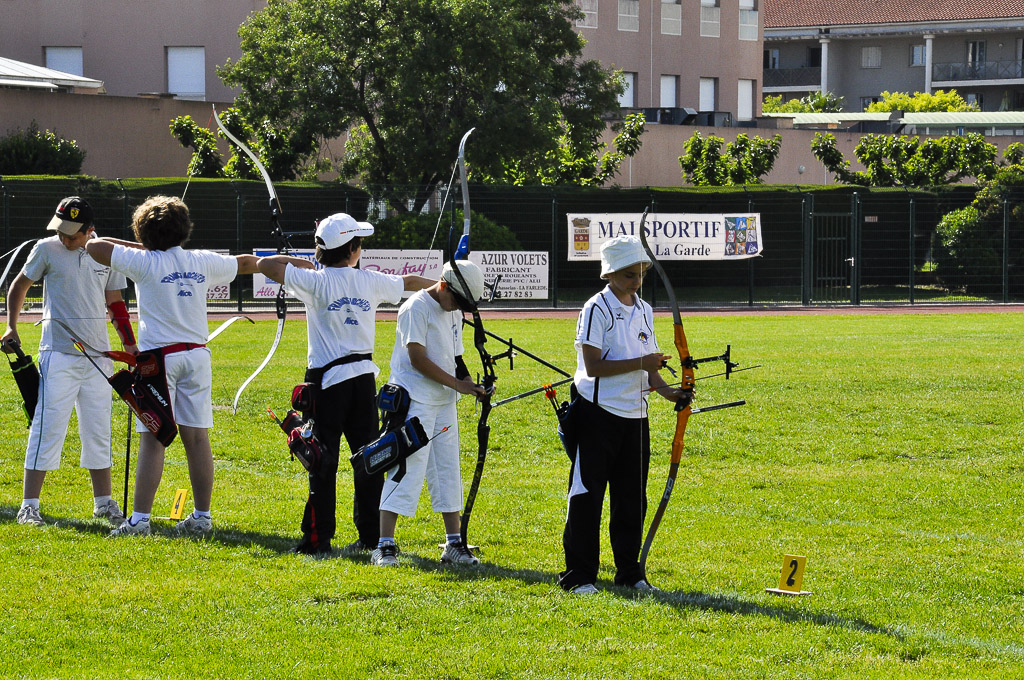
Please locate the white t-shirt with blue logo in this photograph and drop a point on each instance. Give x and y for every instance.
(620, 332)
(171, 286)
(341, 307)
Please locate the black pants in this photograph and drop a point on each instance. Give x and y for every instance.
(613, 453)
(348, 408)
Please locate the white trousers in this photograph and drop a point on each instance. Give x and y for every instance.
(437, 463)
(69, 381)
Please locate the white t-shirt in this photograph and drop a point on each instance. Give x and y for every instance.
(421, 320)
(171, 285)
(341, 306)
(620, 332)
(74, 291)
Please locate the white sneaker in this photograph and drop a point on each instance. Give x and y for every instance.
(585, 589)
(194, 526)
(30, 515)
(385, 555)
(456, 552)
(128, 529)
(643, 586)
(110, 512)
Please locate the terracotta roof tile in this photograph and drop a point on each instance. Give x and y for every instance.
(784, 13)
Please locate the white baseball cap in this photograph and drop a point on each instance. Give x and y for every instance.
(338, 229)
(622, 252)
(471, 273)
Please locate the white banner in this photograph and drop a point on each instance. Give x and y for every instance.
(524, 275)
(262, 287)
(672, 236)
(401, 262)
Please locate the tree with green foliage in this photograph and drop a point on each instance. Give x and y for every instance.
(901, 161)
(745, 161)
(816, 102)
(425, 230)
(581, 162)
(31, 152)
(404, 81)
(970, 240)
(940, 100)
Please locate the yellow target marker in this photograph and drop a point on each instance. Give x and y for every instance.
(178, 506)
(791, 578)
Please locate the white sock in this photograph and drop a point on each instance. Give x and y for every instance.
(138, 517)
(453, 538)
(100, 501)
(33, 502)
(385, 540)
(202, 513)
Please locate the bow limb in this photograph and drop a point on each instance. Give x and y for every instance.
(280, 301)
(683, 405)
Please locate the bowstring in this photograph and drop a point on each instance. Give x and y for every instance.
(192, 163)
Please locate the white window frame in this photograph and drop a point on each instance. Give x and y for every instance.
(671, 17)
(589, 9)
(669, 95)
(710, 19)
(186, 72)
(917, 55)
(748, 24)
(627, 99)
(629, 15)
(745, 89)
(708, 94)
(871, 57)
(64, 59)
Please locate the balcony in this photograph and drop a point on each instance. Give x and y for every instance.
(979, 70)
(804, 78)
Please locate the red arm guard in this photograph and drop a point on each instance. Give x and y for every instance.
(122, 322)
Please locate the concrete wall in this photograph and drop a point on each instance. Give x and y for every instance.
(122, 136)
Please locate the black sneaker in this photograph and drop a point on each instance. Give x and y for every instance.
(357, 546)
(306, 548)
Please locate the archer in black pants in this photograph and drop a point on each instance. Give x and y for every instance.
(348, 408)
(613, 452)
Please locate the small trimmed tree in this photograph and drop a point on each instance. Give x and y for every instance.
(745, 161)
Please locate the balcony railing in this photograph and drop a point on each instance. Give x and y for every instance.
(979, 70)
(807, 76)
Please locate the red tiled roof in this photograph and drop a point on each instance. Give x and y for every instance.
(785, 13)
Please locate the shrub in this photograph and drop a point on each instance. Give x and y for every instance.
(31, 152)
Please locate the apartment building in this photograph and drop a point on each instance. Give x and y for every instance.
(170, 47)
(858, 50)
(694, 61)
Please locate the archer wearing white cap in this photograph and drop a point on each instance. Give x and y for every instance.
(617, 364)
(427, 362)
(341, 304)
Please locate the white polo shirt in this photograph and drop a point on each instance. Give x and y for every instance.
(341, 306)
(171, 286)
(74, 291)
(620, 332)
(422, 320)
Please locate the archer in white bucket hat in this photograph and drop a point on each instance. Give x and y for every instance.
(622, 252)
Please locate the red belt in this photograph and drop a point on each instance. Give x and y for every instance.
(177, 347)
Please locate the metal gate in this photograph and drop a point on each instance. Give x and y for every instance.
(832, 254)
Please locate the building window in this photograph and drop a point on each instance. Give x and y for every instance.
(871, 57)
(669, 85)
(710, 19)
(627, 99)
(865, 102)
(771, 58)
(917, 55)
(708, 94)
(745, 100)
(975, 52)
(589, 19)
(814, 56)
(65, 59)
(186, 72)
(629, 15)
(748, 20)
(974, 98)
(671, 17)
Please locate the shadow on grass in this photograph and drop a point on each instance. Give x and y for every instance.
(681, 600)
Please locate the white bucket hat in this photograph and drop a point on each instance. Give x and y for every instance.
(338, 229)
(471, 273)
(622, 252)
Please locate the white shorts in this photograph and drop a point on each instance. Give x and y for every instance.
(437, 462)
(189, 382)
(69, 381)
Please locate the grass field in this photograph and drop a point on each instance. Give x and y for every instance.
(886, 449)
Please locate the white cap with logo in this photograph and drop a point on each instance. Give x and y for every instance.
(338, 229)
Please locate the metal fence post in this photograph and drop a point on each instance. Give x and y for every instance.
(750, 260)
(1006, 250)
(858, 230)
(7, 216)
(806, 262)
(238, 236)
(913, 221)
(554, 250)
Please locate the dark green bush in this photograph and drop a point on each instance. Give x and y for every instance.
(413, 232)
(31, 152)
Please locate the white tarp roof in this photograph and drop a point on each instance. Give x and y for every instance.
(20, 74)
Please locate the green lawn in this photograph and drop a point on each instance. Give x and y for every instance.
(886, 449)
